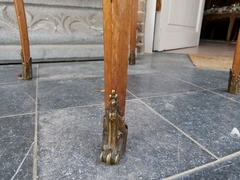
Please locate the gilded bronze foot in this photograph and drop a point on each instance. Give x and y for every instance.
(233, 83)
(132, 58)
(114, 133)
(26, 69)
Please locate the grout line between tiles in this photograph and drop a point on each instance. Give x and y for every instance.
(236, 154)
(75, 107)
(17, 115)
(70, 78)
(169, 122)
(164, 95)
(36, 130)
(19, 167)
(12, 83)
(201, 87)
(224, 96)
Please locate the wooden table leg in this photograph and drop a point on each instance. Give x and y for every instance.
(230, 27)
(233, 84)
(133, 27)
(25, 53)
(116, 41)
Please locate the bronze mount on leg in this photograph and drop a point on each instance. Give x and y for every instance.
(233, 83)
(26, 69)
(114, 133)
(132, 58)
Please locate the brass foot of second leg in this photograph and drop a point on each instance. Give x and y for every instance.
(27, 71)
(132, 58)
(233, 83)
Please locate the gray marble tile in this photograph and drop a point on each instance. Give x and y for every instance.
(229, 169)
(155, 84)
(16, 136)
(180, 66)
(69, 70)
(58, 94)
(140, 68)
(168, 63)
(17, 98)
(205, 78)
(206, 117)
(26, 170)
(173, 58)
(9, 73)
(99, 65)
(224, 92)
(162, 62)
(70, 144)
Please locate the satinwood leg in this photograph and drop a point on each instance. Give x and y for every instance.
(133, 28)
(233, 83)
(25, 53)
(116, 42)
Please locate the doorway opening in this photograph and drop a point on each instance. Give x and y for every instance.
(221, 20)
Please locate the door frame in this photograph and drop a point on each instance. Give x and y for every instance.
(149, 25)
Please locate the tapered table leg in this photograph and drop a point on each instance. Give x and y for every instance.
(116, 40)
(25, 53)
(233, 84)
(133, 27)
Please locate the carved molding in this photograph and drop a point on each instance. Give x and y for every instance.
(53, 25)
(64, 3)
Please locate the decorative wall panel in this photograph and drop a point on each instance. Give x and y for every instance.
(56, 28)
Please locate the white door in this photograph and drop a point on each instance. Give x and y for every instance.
(178, 24)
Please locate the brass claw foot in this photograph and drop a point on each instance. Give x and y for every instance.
(114, 133)
(108, 157)
(27, 70)
(132, 58)
(233, 83)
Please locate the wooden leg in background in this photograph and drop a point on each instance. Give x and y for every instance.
(116, 41)
(230, 27)
(25, 53)
(233, 84)
(133, 28)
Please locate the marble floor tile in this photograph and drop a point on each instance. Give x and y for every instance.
(17, 98)
(155, 84)
(140, 68)
(206, 117)
(9, 73)
(70, 144)
(228, 169)
(180, 126)
(203, 77)
(26, 170)
(224, 92)
(173, 58)
(58, 94)
(63, 71)
(210, 48)
(16, 137)
(98, 64)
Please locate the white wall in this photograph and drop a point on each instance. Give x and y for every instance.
(149, 25)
